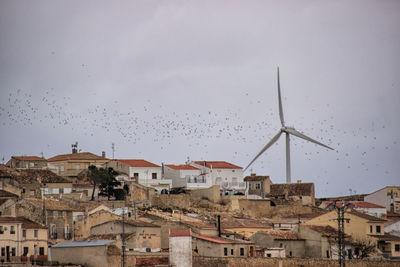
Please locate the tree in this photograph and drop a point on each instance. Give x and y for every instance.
(96, 176)
(107, 186)
(363, 249)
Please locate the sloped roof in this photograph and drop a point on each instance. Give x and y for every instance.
(76, 156)
(217, 164)
(304, 216)
(387, 237)
(366, 216)
(94, 243)
(255, 178)
(326, 230)
(282, 235)
(135, 223)
(29, 158)
(294, 189)
(63, 205)
(179, 232)
(221, 240)
(355, 204)
(181, 167)
(137, 163)
(6, 194)
(243, 223)
(29, 176)
(26, 223)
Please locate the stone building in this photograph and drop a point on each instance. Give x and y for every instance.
(284, 193)
(180, 247)
(294, 245)
(258, 185)
(140, 236)
(27, 162)
(222, 247)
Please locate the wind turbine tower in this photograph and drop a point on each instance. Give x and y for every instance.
(288, 131)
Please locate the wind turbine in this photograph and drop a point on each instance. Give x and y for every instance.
(288, 131)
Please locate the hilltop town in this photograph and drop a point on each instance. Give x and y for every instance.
(89, 210)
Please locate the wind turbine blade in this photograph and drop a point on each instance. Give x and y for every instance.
(280, 102)
(298, 134)
(270, 143)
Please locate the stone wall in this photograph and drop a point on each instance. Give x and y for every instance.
(212, 193)
(261, 262)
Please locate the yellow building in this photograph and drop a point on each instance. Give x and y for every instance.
(70, 165)
(363, 228)
(22, 240)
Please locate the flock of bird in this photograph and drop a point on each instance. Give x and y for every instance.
(158, 127)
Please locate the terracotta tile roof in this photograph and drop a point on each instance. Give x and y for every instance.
(228, 223)
(179, 232)
(365, 216)
(355, 204)
(29, 158)
(29, 176)
(132, 222)
(327, 230)
(137, 163)
(199, 224)
(220, 240)
(304, 216)
(63, 205)
(26, 223)
(282, 235)
(295, 189)
(217, 164)
(254, 178)
(2, 167)
(392, 214)
(76, 156)
(181, 167)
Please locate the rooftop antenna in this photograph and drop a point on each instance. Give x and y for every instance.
(288, 131)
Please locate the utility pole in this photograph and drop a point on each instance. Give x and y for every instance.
(340, 209)
(123, 236)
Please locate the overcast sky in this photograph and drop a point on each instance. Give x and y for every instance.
(172, 80)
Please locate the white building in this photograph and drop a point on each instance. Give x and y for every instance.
(187, 176)
(227, 175)
(389, 197)
(141, 171)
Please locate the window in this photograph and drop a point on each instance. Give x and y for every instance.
(250, 186)
(62, 168)
(26, 250)
(31, 164)
(241, 251)
(3, 252)
(290, 254)
(12, 229)
(13, 252)
(35, 233)
(136, 175)
(154, 175)
(397, 247)
(1, 230)
(370, 228)
(258, 186)
(378, 228)
(41, 251)
(32, 193)
(23, 233)
(77, 166)
(231, 251)
(327, 253)
(225, 251)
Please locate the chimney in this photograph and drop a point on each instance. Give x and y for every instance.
(162, 170)
(103, 154)
(219, 225)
